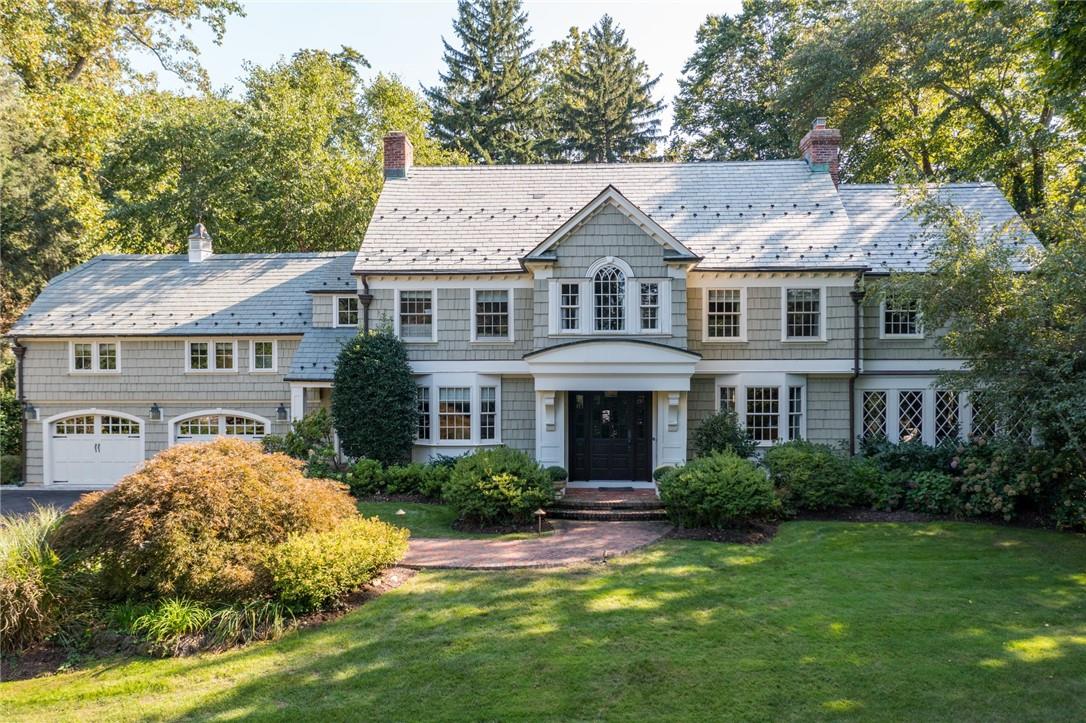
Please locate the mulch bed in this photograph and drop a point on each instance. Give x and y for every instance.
(862, 515)
(501, 529)
(50, 657)
(755, 534)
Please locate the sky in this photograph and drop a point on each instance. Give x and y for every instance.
(405, 37)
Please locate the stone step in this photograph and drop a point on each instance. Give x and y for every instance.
(574, 502)
(598, 515)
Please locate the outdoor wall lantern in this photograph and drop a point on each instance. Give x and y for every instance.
(282, 414)
(155, 412)
(30, 412)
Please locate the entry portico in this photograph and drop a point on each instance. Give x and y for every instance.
(613, 408)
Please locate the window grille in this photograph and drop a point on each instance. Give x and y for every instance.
(910, 406)
(243, 427)
(650, 306)
(119, 426)
(84, 357)
(224, 355)
(347, 311)
(874, 414)
(727, 398)
(454, 412)
(488, 413)
(263, 355)
(107, 357)
(416, 314)
(198, 355)
(795, 412)
(571, 307)
(422, 404)
(946, 415)
(804, 314)
(76, 425)
(205, 426)
(900, 317)
(763, 413)
(724, 314)
(609, 287)
(492, 314)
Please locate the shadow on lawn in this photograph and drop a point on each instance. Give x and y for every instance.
(828, 619)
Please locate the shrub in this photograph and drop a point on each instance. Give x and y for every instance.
(434, 479)
(11, 422)
(374, 398)
(932, 492)
(911, 457)
(720, 490)
(889, 493)
(865, 482)
(197, 520)
(498, 486)
(11, 469)
(809, 476)
(366, 477)
(1068, 508)
(172, 619)
(407, 479)
(310, 440)
(311, 570)
(557, 473)
(723, 433)
(33, 587)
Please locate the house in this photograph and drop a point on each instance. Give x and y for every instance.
(592, 315)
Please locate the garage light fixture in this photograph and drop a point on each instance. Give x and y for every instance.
(155, 413)
(282, 414)
(30, 412)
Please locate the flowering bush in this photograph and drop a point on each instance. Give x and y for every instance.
(934, 493)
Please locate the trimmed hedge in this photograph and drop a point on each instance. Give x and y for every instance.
(721, 490)
(809, 476)
(498, 486)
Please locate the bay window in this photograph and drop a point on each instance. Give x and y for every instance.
(458, 409)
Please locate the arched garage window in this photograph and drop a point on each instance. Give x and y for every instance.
(204, 426)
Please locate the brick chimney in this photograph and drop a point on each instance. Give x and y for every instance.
(199, 244)
(821, 148)
(398, 155)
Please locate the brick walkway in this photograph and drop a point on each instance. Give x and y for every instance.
(571, 542)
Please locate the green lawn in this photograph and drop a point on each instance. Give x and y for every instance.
(426, 520)
(934, 621)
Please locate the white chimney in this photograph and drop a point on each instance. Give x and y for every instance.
(199, 244)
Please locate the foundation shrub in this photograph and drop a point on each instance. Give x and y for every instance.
(809, 476)
(312, 570)
(720, 490)
(498, 486)
(557, 473)
(366, 477)
(934, 493)
(722, 432)
(197, 522)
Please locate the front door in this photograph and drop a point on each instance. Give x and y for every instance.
(610, 436)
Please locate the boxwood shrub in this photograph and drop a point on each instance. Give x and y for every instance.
(498, 486)
(809, 476)
(720, 490)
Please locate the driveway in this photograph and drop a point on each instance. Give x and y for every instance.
(20, 500)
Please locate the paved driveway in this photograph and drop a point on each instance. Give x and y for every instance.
(20, 500)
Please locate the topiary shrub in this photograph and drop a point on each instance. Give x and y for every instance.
(723, 433)
(366, 477)
(934, 493)
(311, 570)
(374, 399)
(721, 490)
(808, 476)
(197, 521)
(498, 486)
(557, 473)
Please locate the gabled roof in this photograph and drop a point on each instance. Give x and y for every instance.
(613, 197)
(734, 215)
(235, 294)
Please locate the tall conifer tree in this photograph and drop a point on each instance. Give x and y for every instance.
(609, 113)
(487, 103)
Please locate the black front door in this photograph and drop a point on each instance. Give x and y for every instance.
(610, 435)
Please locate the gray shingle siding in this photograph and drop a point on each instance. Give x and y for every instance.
(518, 413)
(827, 409)
(700, 404)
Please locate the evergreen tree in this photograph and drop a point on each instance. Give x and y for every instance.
(487, 104)
(608, 113)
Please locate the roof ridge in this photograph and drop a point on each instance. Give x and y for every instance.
(578, 166)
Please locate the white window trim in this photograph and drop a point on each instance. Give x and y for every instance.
(252, 357)
(335, 311)
(47, 437)
(823, 307)
(882, 325)
(212, 369)
(766, 379)
(587, 308)
(95, 356)
(219, 412)
(435, 382)
(433, 311)
(508, 338)
(742, 316)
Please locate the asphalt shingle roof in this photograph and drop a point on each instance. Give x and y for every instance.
(758, 214)
(315, 359)
(235, 294)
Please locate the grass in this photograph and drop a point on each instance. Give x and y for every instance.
(428, 520)
(936, 621)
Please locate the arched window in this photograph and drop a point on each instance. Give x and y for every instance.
(609, 291)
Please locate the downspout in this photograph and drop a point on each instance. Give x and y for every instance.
(857, 295)
(20, 352)
(365, 298)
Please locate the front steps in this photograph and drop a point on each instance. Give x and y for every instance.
(608, 505)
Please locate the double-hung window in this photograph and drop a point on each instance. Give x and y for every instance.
(763, 413)
(488, 412)
(901, 318)
(346, 311)
(211, 356)
(458, 409)
(650, 306)
(415, 315)
(263, 356)
(803, 314)
(94, 356)
(454, 413)
(795, 412)
(422, 401)
(727, 399)
(492, 315)
(724, 315)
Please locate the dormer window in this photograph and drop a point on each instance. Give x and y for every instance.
(346, 311)
(609, 291)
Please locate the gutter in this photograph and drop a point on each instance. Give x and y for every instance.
(857, 295)
(20, 353)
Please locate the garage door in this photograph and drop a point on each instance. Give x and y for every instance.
(94, 449)
(205, 427)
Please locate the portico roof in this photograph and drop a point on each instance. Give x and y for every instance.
(625, 365)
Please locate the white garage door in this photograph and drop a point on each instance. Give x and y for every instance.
(94, 449)
(206, 427)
